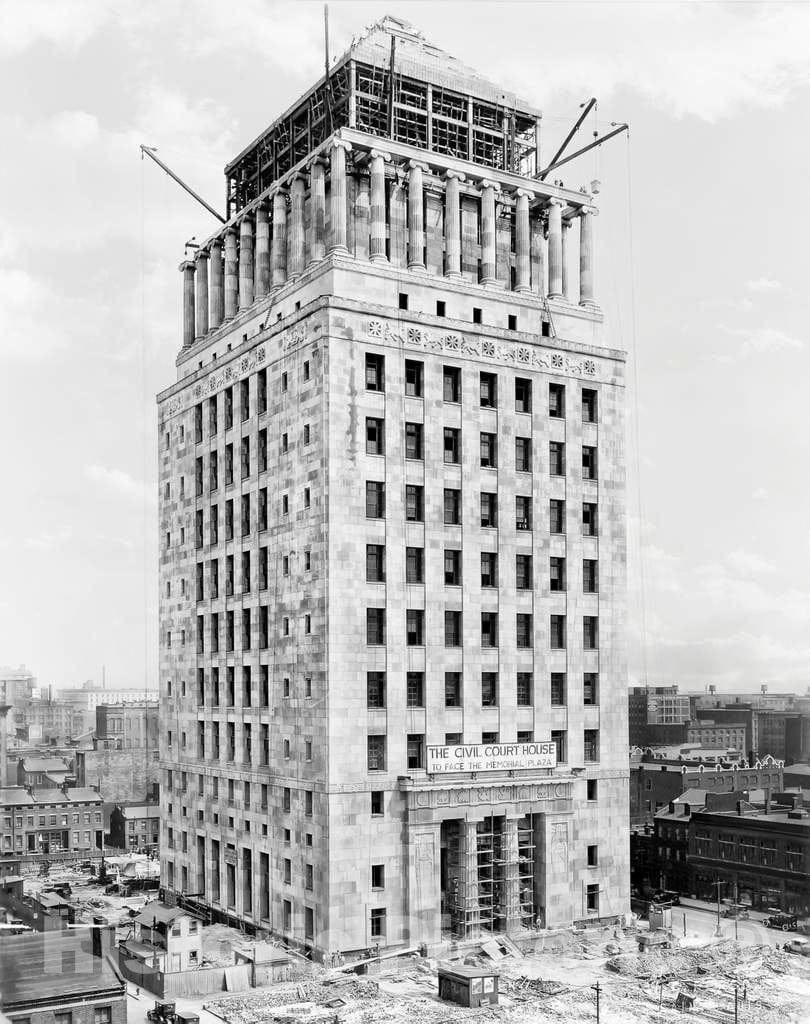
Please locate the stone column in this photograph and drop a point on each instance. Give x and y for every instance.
(317, 211)
(231, 274)
(488, 271)
(278, 258)
(297, 240)
(555, 254)
(337, 190)
(245, 263)
(377, 253)
(586, 257)
(566, 259)
(452, 224)
(510, 852)
(217, 284)
(416, 216)
(522, 245)
(262, 281)
(468, 888)
(201, 289)
(187, 266)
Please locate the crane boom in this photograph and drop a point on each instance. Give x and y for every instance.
(150, 153)
(588, 108)
(591, 145)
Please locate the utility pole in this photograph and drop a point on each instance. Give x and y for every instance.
(597, 989)
(736, 1017)
(718, 883)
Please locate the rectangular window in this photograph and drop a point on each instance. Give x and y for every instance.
(523, 572)
(378, 920)
(375, 627)
(244, 399)
(590, 519)
(452, 506)
(306, 434)
(556, 513)
(489, 689)
(477, 315)
(261, 391)
(377, 876)
(489, 390)
(228, 394)
(589, 406)
(376, 753)
(229, 463)
(414, 447)
(592, 898)
(590, 575)
(213, 472)
(558, 736)
(403, 300)
(592, 788)
(414, 503)
(416, 751)
(415, 690)
(524, 631)
(377, 803)
(262, 450)
(452, 567)
(523, 455)
(556, 580)
(375, 563)
(525, 688)
(452, 445)
(593, 856)
(511, 321)
(101, 1015)
(489, 450)
(590, 632)
(452, 629)
(489, 509)
(556, 400)
(414, 565)
(588, 462)
(414, 372)
(452, 689)
(375, 499)
(523, 512)
(523, 395)
(591, 744)
(489, 629)
(375, 436)
(590, 688)
(489, 569)
(415, 627)
(451, 383)
(229, 519)
(557, 632)
(198, 422)
(375, 372)
(556, 458)
(440, 307)
(558, 688)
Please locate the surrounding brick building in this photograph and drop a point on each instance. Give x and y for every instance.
(392, 663)
(135, 827)
(49, 821)
(124, 759)
(43, 772)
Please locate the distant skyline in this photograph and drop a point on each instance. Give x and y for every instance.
(712, 183)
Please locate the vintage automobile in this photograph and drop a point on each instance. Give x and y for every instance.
(778, 919)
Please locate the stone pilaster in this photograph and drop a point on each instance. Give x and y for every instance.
(217, 284)
(278, 253)
(245, 263)
(317, 210)
(555, 253)
(337, 191)
(377, 253)
(201, 290)
(511, 879)
(424, 889)
(522, 241)
(452, 224)
(468, 880)
(586, 257)
(488, 268)
(231, 274)
(566, 259)
(187, 268)
(296, 229)
(262, 282)
(416, 215)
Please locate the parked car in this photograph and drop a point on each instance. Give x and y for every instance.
(799, 946)
(667, 896)
(778, 919)
(737, 910)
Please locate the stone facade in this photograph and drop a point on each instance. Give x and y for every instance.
(380, 351)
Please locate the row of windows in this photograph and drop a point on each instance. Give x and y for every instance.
(377, 759)
(376, 629)
(524, 572)
(177, 782)
(487, 388)
(52, 819)
(415, 690)
(101, 1015)
(415, 508)
(229, 569)
(217, 748)
(228, 692)
(228, 465)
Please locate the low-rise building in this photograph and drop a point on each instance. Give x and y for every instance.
(708, 733)
(43, 772)
(135, 827)
(123, 761)
(167, 939)
(56, 977)
(49, 821)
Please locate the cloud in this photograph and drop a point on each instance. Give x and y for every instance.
(758, 340)
(748, 564)
(117, 481)
(764, 284)
(47, 540)
(67, 26)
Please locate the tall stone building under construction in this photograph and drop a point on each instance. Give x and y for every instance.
(393, 685)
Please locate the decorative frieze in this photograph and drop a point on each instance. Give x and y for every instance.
(467, 795)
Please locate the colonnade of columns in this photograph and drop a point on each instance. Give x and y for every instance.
(275, 241)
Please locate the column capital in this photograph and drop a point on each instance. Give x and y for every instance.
(418, 165)
(380, 154)
(488, 183)
(280, 193)
(585, 210)
(314, 161)
(567, 222)
(186, 265)
(458, 175)
(555, 201)
(340, 144)
(202, 254)
(524, 193)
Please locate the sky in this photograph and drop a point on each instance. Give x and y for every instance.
(701, 270)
